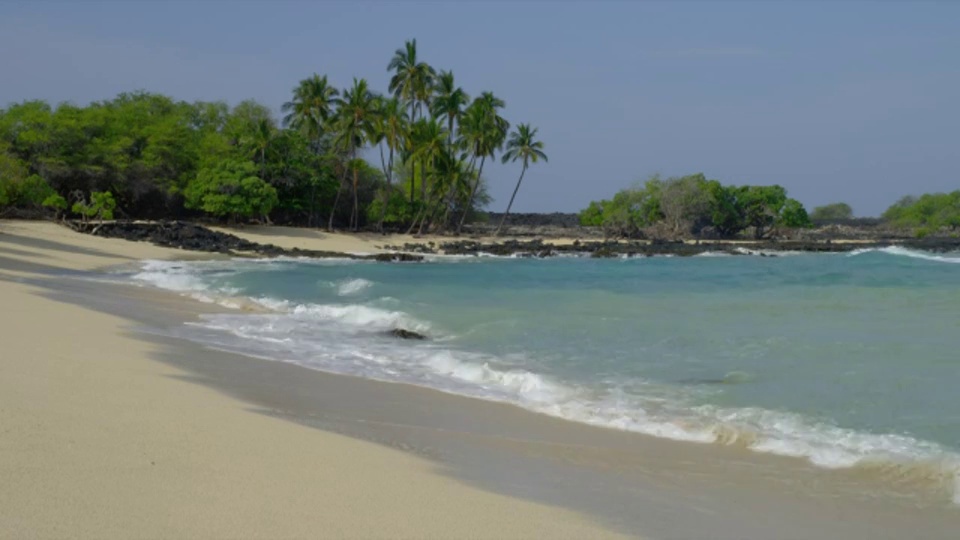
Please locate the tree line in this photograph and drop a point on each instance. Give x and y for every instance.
(145, 155)
(694, 206)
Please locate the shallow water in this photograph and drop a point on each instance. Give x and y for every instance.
(847, 361)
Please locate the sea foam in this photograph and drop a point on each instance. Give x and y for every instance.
(352, 338)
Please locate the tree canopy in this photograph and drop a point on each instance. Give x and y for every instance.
(830, 212)
(690, 205)
(927, 213)
(162, 158)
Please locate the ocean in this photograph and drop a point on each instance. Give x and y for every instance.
(848, 361)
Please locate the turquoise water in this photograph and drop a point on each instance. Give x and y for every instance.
(843, 360)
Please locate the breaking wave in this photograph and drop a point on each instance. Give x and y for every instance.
(353, 338)
(913, 254)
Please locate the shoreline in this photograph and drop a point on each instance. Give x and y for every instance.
(274, 241)
(627, 481)
(102, 439)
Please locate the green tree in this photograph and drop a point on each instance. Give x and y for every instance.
(313, 105)
(762, 207)
(684, 203)
(727, 212)
(101, 206)
(449, 101)
(429, 140)
(57, 203)
(482, 131)
(829, 212)
(356, 120)
(258, 140)
(927, 213)
(794, 215)
(412, 82)
(522, 145)
(390, 128)
(592, 215)
(231, 189)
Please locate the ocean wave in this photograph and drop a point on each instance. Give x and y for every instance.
(897, 459)
(904, 252)
(709, 254)
(349, 287)
(351, 338)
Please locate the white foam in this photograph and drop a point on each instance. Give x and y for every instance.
(349, 287)
(904, 252)
(337, 338)
(709, 254)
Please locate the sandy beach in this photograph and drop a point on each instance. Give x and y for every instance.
(99, 440)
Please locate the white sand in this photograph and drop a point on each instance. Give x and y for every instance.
(99, 441)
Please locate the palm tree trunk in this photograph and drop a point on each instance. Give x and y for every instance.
(415, 220)
(509, 206)
(450, 132)
(356, 203)
(423, 181)
(336, 200)
(473, 193)
(413, 163)
(388, 174)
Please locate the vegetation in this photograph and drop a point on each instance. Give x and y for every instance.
(692, 205)
(144, 155)
(926, 214)
(523, 146)
(832, 212)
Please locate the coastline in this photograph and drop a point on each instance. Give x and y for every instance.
(103, 440)
(274, 241)
(625, 481)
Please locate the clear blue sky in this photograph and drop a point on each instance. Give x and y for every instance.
(852, 101)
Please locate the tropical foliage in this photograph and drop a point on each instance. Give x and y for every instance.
(832, 212)
(693, 205)
(158, 157)
(927, 213)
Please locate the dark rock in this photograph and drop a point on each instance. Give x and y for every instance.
(397, 257)
(406, 334)
(189, 236)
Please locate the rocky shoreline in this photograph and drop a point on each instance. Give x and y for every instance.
(613, 249)
(194, 237)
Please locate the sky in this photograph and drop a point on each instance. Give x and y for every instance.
(836, 101)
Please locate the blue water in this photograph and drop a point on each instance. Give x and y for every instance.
(838, 359)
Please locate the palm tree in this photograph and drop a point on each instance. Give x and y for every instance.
(429, 141)
(389, 127)
(483, 132)
(412, 81)
(521, 145)
(451, 183)
(449, 100)
(355, 121)
(311, 108)
(313, 105)
(258, 141)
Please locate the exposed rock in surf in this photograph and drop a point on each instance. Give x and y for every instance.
(406, 334)
(397, 257)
